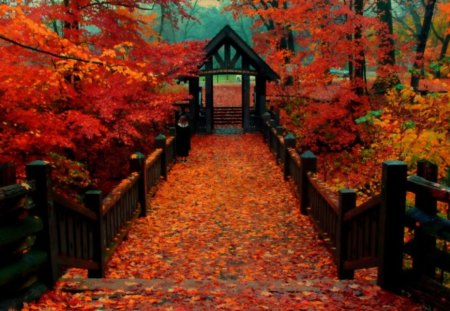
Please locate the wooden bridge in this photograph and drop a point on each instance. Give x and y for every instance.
(235, 227)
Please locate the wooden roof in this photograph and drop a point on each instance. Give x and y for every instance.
(227, 63)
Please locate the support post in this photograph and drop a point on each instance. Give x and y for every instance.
(137, 164)
(209, 98)
(425, 243)
(193, 104)
(266, 125)
(246, 102)
(160, 142)
(289, 142)
(392, 223)
(93, 201)
(347, 201)
(7, 174)
(260, 102)
(308, 164)
(40, 172)
(279, 148)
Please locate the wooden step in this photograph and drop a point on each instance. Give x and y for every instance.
(227, 116)
(228, 294)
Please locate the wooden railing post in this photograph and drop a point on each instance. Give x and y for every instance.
(137, 164)
(289, 142)
(392, 223)
(7, 174)
(40, 172)
(265, 124)
(279, 146)
(425, 243)
(160, 142)
(93, 200)
(173, 132)
(308, 164)
(347, 201)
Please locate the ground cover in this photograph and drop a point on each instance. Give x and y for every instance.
(224, 232)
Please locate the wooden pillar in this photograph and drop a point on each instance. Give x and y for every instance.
(392, 224)
(347, 202)
(194, 108)
(260, 90)
(137, 164)
(160, 142)
(427, 204)
(308, 164)
(209, 98)
(289, 142)
(93, 201)
(7, 174)
(40, 172)
(245, 97)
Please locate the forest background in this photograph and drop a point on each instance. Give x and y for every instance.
(84, 83)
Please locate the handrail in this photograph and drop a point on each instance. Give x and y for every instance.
(16, 190)
(328, 197)
(116, 194)
(75, 207)
(153, 157)
(436, 191)
(370, 204)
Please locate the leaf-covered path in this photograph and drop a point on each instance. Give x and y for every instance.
(224, 232)
(226, 214)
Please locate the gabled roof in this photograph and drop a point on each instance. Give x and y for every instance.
(228, 36)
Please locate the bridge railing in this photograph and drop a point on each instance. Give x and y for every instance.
(62, 233)
(372, 234)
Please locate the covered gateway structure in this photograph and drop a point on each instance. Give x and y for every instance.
(228, 53)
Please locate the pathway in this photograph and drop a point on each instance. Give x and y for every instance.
(225, 233)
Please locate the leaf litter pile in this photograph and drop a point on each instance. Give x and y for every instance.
(224, 232)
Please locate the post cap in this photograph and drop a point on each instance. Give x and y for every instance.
(289, 136)
(160, 137)
(138, 155)
(308, 154)
(38, 163)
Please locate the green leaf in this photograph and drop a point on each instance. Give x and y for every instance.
(399, 87)
(409, 124)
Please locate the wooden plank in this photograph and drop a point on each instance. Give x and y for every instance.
(321, 191)
(15, 191)
(76, 262)
(428, 292)
(392, 223)
(28, 263)
(372, 203)
(61, 222)
(10, 233)
(437, 191)
(431, 225)
(220, 60)
(70, 235)
(85, 240)
(78, 238)
(114, 196)
(7, 174)
(361, 263)
(61, 201)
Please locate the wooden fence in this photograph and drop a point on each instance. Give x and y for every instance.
(373, 234)
(69, 234)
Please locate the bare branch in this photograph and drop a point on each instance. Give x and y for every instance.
(38, 50)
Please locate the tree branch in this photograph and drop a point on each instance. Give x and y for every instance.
(38, 50)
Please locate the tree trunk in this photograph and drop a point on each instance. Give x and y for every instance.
(442, 55)
(418, 65)
(360, 63)
(387, 46)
